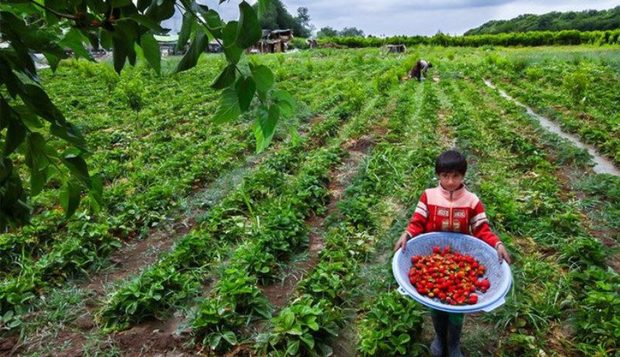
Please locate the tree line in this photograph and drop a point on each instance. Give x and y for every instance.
(589, 20)
(533, 38)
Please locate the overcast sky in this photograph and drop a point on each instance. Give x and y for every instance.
(417, 17)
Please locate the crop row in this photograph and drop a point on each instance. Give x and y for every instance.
(580, 95)
(559, 265)
(234, 218)
(92, 240)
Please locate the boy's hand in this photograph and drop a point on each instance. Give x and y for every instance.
(502, 253)
(402, 242)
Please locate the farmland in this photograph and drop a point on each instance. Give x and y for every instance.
(203, 245)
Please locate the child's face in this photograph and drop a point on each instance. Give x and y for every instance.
(450, 181)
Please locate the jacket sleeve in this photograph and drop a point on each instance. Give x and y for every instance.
(417, 223)
(480, 226)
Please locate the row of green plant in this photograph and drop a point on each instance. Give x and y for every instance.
(232, 219)
(277, 232)
(219, 327)
(580, 95)
(145, 171)
(70, 256)
(539, 219)
(350, 237)
(531, 38)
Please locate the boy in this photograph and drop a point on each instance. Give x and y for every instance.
(419, 69)
(450, 207)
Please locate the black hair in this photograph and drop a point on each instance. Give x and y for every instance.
(451, 161)
(430, 65)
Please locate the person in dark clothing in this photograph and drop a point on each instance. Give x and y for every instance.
(419, 69)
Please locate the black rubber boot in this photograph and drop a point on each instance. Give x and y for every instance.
(440, 323)
(454, 340)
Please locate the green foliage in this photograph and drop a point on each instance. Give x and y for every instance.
(532, 38)
(596, 318)
(392, 326)
(588, 20)
(576, 85)
(148, 295)
(276, 17)
(127, 28)
(304, 328)
(234, 302)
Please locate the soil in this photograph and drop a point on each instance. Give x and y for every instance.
(279, 294)
(134, 256)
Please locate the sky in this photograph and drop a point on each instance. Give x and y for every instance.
(415, 17)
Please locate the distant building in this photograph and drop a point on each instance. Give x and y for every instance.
(168, 45)
(214, 47)
(396, 48)
(272, 42)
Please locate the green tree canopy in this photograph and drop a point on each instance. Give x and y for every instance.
(345, 32)
(588, 20)
(276, 16)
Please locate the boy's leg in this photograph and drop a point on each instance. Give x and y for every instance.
(455, 327)
(440, 323)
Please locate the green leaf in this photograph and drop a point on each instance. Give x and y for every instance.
(77, 166)
(38, 101)
(263, 5)
(75, 40)
(285, 102)
(214, 23)
(16, 133)
(265, 129)
(263, 77)
(230, 337)
(229, 107)
(293, 348)
(198, 45)
(119, 53)
(186, 29)
(96, 191)
(70, 198)
(226, 77)
(70, 133)
(229, 32)
(308, 340)
(249, 30)
(150, 47)
(36, 152)
(288, 318)
(233, 53)
(245, 88)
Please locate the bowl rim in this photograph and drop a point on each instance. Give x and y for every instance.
(411, 292)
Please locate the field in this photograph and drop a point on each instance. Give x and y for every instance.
(205, 246)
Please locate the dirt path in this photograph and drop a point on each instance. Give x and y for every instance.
(602, 165)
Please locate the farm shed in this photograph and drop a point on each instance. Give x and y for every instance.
(167, 45)
(396, 48)
(272, 41)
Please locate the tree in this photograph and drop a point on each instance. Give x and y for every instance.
(351, 32)
(32, 128)
(276, 16)
(327, 32)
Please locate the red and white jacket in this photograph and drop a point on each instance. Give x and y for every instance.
(459, 211)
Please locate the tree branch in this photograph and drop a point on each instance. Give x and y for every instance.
(59, 14)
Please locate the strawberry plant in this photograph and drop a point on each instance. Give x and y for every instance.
(391, 326)
(303, 328)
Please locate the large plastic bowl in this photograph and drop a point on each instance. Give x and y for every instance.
(498, 274)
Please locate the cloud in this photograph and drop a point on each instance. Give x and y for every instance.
(414, 17)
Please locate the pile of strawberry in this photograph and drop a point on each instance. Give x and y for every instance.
(451, 277)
